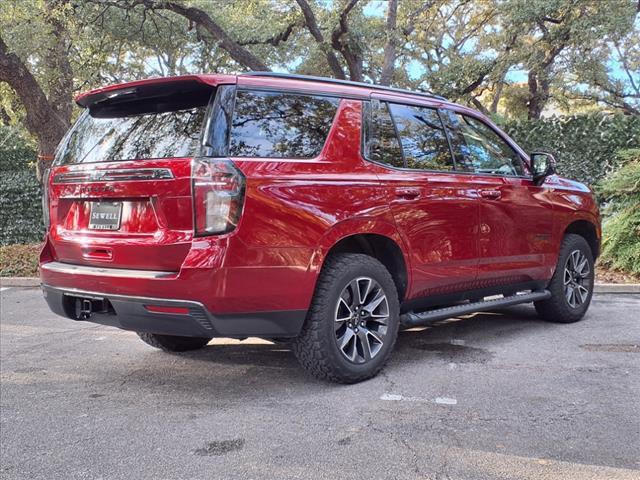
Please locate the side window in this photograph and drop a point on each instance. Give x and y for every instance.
(422, 136)
(478, 148)
(380, 141)
(280, 125)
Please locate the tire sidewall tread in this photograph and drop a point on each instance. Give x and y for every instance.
(556, 309)
(316, 348)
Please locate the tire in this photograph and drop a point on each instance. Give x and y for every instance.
(563, 306)
(170, 343)
(365, 328)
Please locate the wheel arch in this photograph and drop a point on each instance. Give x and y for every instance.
(588, 231)
(379, 240)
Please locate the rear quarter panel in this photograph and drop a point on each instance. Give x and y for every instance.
(296, 210)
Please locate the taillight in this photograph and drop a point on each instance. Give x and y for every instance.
(45, 199)
(218, 191)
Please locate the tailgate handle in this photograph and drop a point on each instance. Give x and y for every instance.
(98, 253)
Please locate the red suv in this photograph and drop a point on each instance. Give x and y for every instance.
(329, 213)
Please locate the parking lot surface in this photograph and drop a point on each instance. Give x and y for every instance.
(497, 395)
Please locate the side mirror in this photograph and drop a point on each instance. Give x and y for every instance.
(542, 165)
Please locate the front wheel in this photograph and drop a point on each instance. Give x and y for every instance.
(571, 286)
(353, 321)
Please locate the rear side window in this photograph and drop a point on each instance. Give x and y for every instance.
(154, 135)
(380, 140)
(478, 148)
(423, 139)
(280, 125)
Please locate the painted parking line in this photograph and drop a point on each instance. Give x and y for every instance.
(3, 289)
(394, 397)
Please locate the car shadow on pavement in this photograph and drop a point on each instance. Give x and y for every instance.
(269, 366)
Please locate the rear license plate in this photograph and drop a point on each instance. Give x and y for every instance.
(105, 215)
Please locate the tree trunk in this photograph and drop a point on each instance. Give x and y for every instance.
(388, 64)
(43, 119)
(497, 94)
(538, 94)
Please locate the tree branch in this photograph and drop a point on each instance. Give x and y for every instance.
(625, 65)
(314, 29)
(199, 17)
(353, 58)
(274, 40)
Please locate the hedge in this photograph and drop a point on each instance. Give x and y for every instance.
(20, 207)
(16, 152)
(621, 226)
(584, 145)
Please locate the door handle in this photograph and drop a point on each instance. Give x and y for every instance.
(491, 194)
(408, 193)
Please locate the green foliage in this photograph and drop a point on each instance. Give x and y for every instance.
(582, 144)
(20, 205)
(16, 153)
(621, 238)
(20, 208)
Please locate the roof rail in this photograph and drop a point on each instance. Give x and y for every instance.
(311, 78)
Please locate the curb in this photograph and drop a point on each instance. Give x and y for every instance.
(617, 288)
(19, 282)
(622, 288)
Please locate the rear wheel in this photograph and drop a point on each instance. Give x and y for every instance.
(353, 321)
(572, 283)
(171, 343)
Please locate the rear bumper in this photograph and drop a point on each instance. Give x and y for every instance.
(130, 313)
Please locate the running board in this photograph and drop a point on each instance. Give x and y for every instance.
(412, 319)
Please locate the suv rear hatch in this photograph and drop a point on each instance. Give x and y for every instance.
(120, 187)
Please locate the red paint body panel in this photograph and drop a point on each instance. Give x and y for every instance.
(451, 237)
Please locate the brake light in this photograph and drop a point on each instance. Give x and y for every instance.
(46, 217)
(218, 195)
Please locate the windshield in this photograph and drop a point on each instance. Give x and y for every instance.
(153, 135)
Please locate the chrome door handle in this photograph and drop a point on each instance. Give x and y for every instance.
(408, 193)
(491, 194)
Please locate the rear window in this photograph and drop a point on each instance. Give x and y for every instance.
(280, 125)
(152, 135)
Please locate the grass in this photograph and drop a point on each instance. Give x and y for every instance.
(19, 260)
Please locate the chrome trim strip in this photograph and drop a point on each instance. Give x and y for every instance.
(132, 298)
(110, 175)
(59, 267)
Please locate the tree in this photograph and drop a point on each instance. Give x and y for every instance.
(46, 101)
(558, 34)
(573, 51)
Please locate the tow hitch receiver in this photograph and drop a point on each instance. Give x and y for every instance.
(83, 308)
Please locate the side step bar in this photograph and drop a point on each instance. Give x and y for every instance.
(412, 319)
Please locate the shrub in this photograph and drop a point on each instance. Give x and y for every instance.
(582, 144)
(16, 152)
(20, 201)
(621, 227)
(19, 260)
(20, 208)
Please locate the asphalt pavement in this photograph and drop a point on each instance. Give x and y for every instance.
(498, 395)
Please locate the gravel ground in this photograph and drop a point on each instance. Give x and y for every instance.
(497, 395)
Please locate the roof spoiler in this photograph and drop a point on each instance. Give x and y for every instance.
(152, 94)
